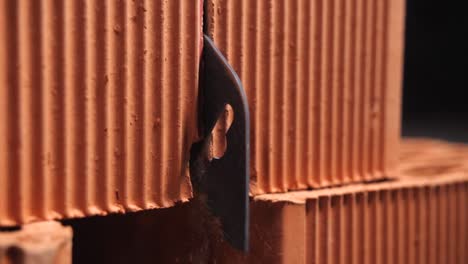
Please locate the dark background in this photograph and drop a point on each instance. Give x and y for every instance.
(435, 103)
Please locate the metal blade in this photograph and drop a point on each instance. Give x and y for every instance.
(225, 181)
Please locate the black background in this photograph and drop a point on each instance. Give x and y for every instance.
(436, 70)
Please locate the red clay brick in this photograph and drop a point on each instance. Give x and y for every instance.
(323, 80)
(98, 105)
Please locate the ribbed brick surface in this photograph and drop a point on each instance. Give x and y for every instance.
(409, 224)
(97, 106)
(408, 221)
(323, 80)
(39, 243)
(420, 218)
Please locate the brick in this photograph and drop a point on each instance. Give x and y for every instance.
(98, 105)
(323, 80)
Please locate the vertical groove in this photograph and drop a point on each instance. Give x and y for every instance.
(4, 84)
(179, 105)
(410, 225)
(36, 188)
(81, 145)
(347, 91)
(372, 228)
(24, 103)
(91, 102)
(263, 50)
(342, 231)
(326, 101)
(334, 243)
(235, 37)
(361, 227)
(387, 227)
(423, 220)
(310, 87)
(394, 227)
(69, 44)
(383, 86)
(135, 20)
(276, 96)
(452, 223)
(12, 129)
(347, 231)
(116, 33)
(110, 44)
(341, 92)
(169, 128)
(191, 54)
(248, 72)
(443, 224)
(270, 112)
(400, 226)
(166, 92)
(353, 88)
(371, 101)
(377, 86)
(362, 150)
(73, 96)
(312, 240)
(379, 237)
(433, 238)
(54, 104)
(314, 91)
(28, 104)
(152, 103)
(429, 229)
(354, 230)
(323, 229)
(365, 227)
(438, 228)
(463, 232)
(102, 104)
(318, 95)
(303, 133)
(357, 90)
(413, 225)
(290, 91)
(335, 78)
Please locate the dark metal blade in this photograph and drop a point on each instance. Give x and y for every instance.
(225, 181)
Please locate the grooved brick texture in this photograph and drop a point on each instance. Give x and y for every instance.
(97, 106)
(323, 80)
(419, 218)
(407, 221)
(421, 224)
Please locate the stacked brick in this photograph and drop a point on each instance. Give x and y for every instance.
(98, 106)
(100, 119)
(323, 80)
(419, 218)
